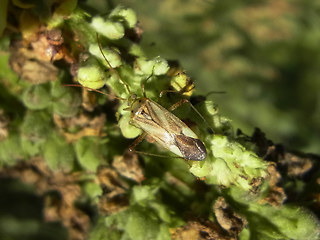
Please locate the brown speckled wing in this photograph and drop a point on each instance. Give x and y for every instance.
(191, 148)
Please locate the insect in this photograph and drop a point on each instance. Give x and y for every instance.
(166, 129)
(160, 125)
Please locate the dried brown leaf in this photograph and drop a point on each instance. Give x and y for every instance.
(59, 206)
(115, 197)
(228, 219)
(4, 121)
(86, 125)
(204, 230)
(128, 166)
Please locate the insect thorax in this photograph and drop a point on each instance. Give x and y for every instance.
(137, 106)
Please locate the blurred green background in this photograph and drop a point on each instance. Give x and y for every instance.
(265, 55)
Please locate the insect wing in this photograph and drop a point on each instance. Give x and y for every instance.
(169, 131)
(191, 148)
(156, 132)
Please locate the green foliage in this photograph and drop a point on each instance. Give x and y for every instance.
(93, 190)
(108, 28)
(231, 164)
(90, 75)
(36, 126)
(66, 102)
(10, 150)
(68, 132)
(288, 222)
(58, 154)
(37, 97)
(125, 14)
(145, 219)
(112, 55)
(139, 223)
(128, 130)
(87, 151)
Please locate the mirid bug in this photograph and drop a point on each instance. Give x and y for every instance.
(159, 124)
(166, 129)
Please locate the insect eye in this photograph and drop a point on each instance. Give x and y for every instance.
(140, 101)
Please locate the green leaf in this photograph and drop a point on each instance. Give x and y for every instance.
(286, 222)
(138, 223)
(143, 225)
(58, 154)
(230, 164)
(88, 154)
(127, 129)
(127, 14)
(143, 194)
(37, 97)
(108, 28)
(91, 74)
(66, 100)
(10, 150)
(30, 148)
(61, 13)
(112, 55)
(101, 232)
(161, 66)
(93, 190)
(36, 126)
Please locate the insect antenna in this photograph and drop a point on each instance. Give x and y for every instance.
(143, 84)
(156, 155)
(94, 90)
(189, 86)
(111, 68)
(215, 92)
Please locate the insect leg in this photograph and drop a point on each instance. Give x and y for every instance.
(111, 68)
(184, 100)
(166, 91)
(138, 140)
(142, 85)
(187, 88)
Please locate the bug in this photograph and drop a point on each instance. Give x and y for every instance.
(159, 124)
(165, 129)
